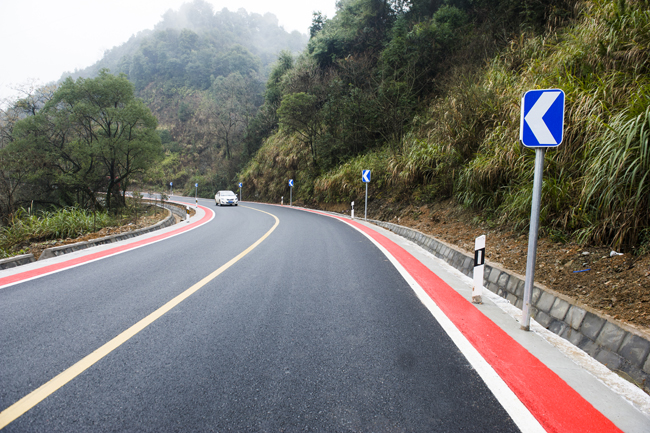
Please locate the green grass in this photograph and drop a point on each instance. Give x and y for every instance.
(41, 226)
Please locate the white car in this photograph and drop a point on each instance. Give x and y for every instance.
(223, 198)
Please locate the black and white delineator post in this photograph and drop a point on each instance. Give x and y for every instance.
(196, 196)
(541, 126)
(479, 268)
(187, 213)
(352, 213)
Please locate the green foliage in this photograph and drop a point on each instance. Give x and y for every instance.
(616, 192)
(299, 114)
(429, 100)
(281, 158)
(63, 223)
(93, 135)
(184, 112)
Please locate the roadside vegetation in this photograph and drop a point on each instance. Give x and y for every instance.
(42, 228)
(44, 225)
(430, 102)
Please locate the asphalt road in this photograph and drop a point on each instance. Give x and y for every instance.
(312, 330)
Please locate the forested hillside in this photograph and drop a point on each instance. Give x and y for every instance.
(202, 74)
(427, 94)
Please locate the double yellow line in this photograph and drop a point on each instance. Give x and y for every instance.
(17, 409)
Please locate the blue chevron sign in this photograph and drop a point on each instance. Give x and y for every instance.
(542, 118)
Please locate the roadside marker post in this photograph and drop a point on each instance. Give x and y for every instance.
(541, 126)
(352, 213)
(290, 192)
(365, 178)
(282, 201)
(240, 185)
(187, 213)
(196, 195)
(479, 269)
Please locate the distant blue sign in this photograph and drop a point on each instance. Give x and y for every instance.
(365, 176)
(542, 118)
(171, 183)
(196, 185)
(290, 182)
(241, 184)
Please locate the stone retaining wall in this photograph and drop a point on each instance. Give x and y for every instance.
(622, 348)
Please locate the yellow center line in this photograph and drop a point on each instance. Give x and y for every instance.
(17, 409)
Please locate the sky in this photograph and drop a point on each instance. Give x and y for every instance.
(42, 39)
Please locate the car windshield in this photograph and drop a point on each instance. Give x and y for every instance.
(226, 193)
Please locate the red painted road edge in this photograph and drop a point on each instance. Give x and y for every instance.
(27, 275)
(555, 405)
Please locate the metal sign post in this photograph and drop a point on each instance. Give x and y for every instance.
(541, 126)
(532, 237)
(171, 188)
(365, 178)
(240, 185)
(196, 195)
(290, 192)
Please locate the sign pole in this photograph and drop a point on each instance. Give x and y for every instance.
(532, 236)
(365, 215)
(196, 195)
(291, 196)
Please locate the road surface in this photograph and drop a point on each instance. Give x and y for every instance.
(255, 318)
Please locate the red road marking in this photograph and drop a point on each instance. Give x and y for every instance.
(19, 277)
(558, 407)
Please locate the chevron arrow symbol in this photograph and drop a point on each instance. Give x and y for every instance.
(535, 120)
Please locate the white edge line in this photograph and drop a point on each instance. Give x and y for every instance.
(510, 402)
(110, 255)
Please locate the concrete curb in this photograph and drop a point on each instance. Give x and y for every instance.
(14, 261)
(619, 346)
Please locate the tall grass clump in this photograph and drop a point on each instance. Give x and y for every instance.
(616, 193)
(41, 226)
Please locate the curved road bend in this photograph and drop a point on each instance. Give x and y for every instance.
(313, 329)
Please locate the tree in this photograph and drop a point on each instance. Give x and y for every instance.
(228, 109)
(15, 166)
(317, 23)
(299, 113)
(93, 134)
